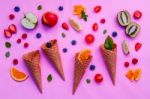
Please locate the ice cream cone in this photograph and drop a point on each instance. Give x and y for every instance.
(54, 56)
(32, 60)
(79, 70)
(110, 57)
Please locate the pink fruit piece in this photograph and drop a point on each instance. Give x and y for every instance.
(7, 33)
(12, 28)
(65, 26)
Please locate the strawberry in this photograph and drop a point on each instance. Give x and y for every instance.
(97, 9)
(95, 27)
(65, 26)
(12, 28)
(138, 46)
(7, 33)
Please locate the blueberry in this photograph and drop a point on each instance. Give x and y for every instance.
(73, 42)
(114, 34)
(65, 50)
(17, 9)
(48, 45)
(60, 8)
(38, 35)
(92, 67)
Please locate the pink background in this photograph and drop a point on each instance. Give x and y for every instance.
(58, 89)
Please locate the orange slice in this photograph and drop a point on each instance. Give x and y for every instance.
(78, 9)
(130, 74)
(84, 55)
(18, 75)
(138, 73)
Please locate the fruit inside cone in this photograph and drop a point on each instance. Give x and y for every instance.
(49, 19)
(84, 54)
(18, 75)
(29, 21)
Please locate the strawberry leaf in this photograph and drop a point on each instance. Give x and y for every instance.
(84, 15)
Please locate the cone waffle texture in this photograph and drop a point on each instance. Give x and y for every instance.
(54, 57)
(79, 70)
(110, 57)
(32, 60)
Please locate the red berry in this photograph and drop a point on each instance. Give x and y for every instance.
(18, 40)
(11, 16)
(98, 78)
(103, 21)
(138, 46)
(15, 61)
(137, 14)
(126, 64)
(26, 45)
(97, 9)
(24, 36)
(89, 39)
(95, 27)
(134, 61)
(7, 33)
(12, 28)
(65, 26)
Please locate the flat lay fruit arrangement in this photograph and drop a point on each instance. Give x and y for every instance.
(74, 49)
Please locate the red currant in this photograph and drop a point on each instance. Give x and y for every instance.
(134, 61)
(103, 21)
(19, 40)
(11, 16)
(89, 39)
(98, 78)
(15, 61)
(126, 64)
(137, 14)
(26, 45)
(24, 36)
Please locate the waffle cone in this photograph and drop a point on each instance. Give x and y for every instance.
(110, 57)
(79, 70)
(32, 60)
(54, 57)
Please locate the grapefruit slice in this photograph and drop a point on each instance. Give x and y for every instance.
(84, 55)
(18, 75)
(137, 74)
(78, 9)
(130, 74)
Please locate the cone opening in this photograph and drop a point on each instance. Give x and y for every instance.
(53, 42)
(29, 56)
(114, 47)
(50, 43)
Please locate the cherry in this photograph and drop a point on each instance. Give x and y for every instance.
(89, 39)
(98, 78)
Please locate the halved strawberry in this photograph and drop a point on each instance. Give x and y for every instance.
(7, 33)
(12, 28)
